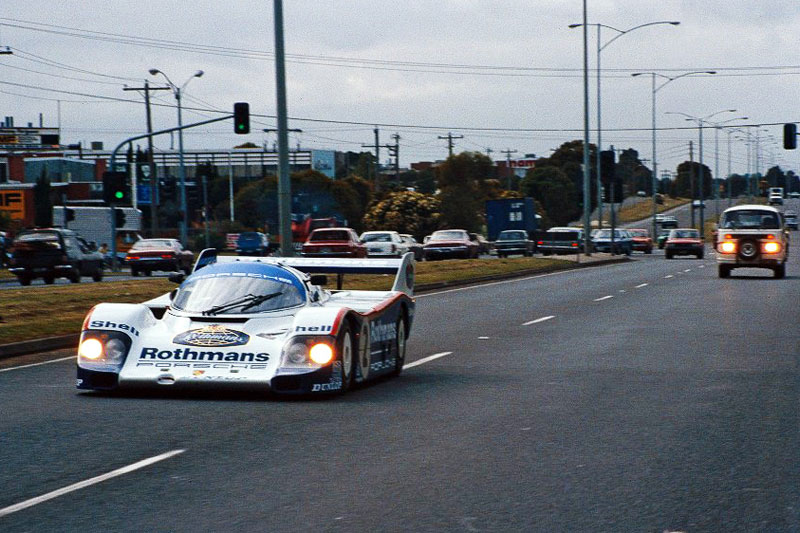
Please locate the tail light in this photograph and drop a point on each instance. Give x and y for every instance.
(539, 242)
(574, 244)
(167, 256)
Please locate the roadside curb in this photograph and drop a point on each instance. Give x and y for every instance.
(67, 341)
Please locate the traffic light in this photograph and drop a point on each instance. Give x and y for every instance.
(241, 117)
(115, 188)
(119, 218)
(789, 136)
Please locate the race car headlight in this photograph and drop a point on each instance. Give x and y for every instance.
(771, 247)
(103, 350)
(308, 352)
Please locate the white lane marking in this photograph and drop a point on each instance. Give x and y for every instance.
(426, 359)
(603, 298)
(668, 276)
(483, 338)
(501, 282)
(622, 291)
(38, 364)
(701, 266)
(642, 285)
(83, 484)
(528, 323)
(688, 270)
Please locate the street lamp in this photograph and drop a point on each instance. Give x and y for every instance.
(182, 173)
(654, 90)
(717, 127)
(600, 48)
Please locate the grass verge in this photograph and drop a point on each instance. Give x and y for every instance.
(46, 311)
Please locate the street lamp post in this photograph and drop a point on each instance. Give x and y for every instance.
(600, 48)
(717, 127)
(654, 90)
(182, 169)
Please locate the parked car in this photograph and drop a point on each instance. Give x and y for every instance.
(333, 242)
(684, 241)
(621, 243)
(383, 243)
(514, 241)
(449, 243)
(413, 246)
(642, 242)
(167, 255)
(794, 195)
(51, 253)
(790, 220)
(252, 243)
(484, 246)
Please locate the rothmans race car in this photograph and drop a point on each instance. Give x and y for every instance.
(255, 323)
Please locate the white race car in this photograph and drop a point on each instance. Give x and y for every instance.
(257, 323)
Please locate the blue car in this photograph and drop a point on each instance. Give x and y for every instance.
(622, 242)
(252, 243)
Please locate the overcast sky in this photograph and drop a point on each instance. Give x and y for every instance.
(419, 68)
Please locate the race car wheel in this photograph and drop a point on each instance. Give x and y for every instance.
(364, 351)
(400, 345)
(346, 358)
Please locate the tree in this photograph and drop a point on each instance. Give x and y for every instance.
(555, 191)
(569, 159)
(43, 201)
(406, 212)
(690, 176)
(463, 189)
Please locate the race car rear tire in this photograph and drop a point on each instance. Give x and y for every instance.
(400, 345)
(346, 355)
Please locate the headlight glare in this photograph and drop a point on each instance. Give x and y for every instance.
(321, 353)
(728, 247)
(772, 247)
(91, 349)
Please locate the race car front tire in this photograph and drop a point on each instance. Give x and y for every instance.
(347, 357)
(400, 345)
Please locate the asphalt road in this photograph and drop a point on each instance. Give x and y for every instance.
(643, 396)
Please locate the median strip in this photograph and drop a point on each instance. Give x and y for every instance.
(87, 483)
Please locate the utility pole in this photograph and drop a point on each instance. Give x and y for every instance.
(377, 167)
(150, 161)
(691, 178)
(450, 138)
(508, 153)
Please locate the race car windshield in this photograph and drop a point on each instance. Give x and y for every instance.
(221, 294)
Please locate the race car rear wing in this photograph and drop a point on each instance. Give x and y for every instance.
(402, 268)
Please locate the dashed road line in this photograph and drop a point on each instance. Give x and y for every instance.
(426, 359)
(642, 285)
(542, 319)
(87, 483)
(668, 276)
(603, 298)
(688, 270)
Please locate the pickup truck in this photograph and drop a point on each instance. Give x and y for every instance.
(50, 253)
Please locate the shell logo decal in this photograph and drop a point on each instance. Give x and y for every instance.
(214, 335)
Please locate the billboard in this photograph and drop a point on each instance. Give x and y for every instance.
(29, 138)
(324, 161)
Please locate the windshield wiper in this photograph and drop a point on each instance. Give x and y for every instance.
(246, 302)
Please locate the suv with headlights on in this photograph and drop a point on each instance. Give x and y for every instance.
(752, 236)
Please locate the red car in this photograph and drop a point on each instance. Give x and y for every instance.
(642, 242)
(169, 255)
(448, 243)
(333, 242)
(684, 241)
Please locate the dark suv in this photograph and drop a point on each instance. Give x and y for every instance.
(51, 253)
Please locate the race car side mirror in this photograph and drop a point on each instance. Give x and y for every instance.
(319, 279)
(176, 277)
